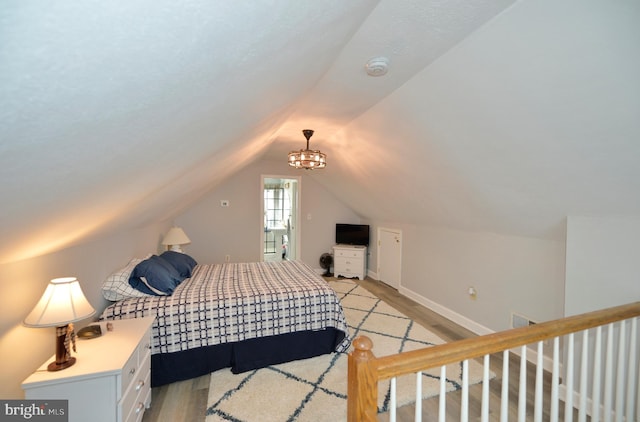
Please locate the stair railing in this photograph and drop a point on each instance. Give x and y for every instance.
(614, 394)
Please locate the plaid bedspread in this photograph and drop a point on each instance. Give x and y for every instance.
(232, 302)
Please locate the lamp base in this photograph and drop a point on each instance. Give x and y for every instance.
(63, 354)
(57, 366)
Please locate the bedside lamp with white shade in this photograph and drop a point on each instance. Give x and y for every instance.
(175, 238)
(61, 304)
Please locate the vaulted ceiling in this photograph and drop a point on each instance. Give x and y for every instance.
(493, 116)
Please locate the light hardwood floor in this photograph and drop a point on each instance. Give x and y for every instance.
(187, 400)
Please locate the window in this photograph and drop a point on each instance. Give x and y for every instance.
(277, 208)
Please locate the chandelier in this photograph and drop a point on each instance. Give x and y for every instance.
(306, 158)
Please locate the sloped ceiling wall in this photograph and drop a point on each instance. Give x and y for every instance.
(533, 117)
(118, 114)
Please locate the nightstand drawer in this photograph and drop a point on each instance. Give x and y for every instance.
(134, 401)
(132, 372)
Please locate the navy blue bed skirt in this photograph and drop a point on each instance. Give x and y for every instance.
(242, 356)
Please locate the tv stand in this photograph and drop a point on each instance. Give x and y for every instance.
(350, 261)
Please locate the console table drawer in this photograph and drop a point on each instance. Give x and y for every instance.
(348, 253)
(349, 264)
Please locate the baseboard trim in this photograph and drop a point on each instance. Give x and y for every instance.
(562, 395)
(446, 312)
(479, 329)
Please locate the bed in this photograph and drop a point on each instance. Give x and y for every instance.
(238, 315)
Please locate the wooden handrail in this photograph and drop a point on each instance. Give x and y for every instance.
(365, 370)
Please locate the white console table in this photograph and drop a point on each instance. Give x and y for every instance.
(350, 261)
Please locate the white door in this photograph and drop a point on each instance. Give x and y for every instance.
(389, 256)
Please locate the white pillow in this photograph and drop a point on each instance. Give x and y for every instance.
(116, 286)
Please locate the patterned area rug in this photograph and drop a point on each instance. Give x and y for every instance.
(316, 389)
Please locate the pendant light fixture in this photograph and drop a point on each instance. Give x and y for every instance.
(306, 158)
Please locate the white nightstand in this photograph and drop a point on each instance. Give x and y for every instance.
(111, 380)
(350, 261)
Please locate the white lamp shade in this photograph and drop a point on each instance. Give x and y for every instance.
(175, 236)
(62, 302)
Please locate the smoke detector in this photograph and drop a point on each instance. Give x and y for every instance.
(377, 66)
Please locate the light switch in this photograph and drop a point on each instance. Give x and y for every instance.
(224, 203)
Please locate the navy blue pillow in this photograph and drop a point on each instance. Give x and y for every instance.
(182, 262)
(155, 276)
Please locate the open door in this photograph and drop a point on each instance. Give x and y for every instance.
(280, 238)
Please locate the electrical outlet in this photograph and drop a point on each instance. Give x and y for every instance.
(473, 293)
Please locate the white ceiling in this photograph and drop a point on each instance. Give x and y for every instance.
(493, 116)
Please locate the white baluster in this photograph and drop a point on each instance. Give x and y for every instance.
(622, 348)
(597, 364)
(504, 398)
(442, 407)
(584, 360)
(631, 385)
(485, 390)
(418, 415)
(522, 394)
(555, 380)
(568, 402)
(392, 404)
(637, 401)
(608, 375)
(464, 410)
(537, 413)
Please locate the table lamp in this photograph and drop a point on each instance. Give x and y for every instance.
(61, 304)
(175, 238)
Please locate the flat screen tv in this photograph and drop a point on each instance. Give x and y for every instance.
(352, 234)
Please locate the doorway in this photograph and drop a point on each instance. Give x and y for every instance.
(389, 256)
(280, 237)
